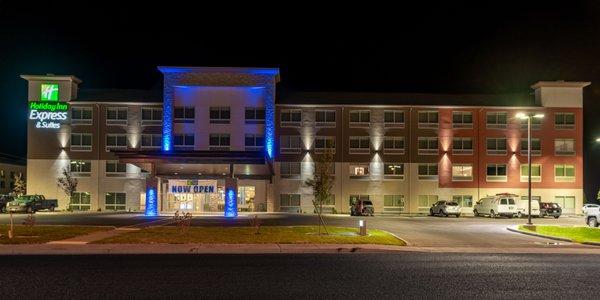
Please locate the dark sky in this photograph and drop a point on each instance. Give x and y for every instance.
(455, 47)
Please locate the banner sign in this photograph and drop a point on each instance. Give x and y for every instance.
(192, 186)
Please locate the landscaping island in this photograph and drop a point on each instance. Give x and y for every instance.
(575, 234)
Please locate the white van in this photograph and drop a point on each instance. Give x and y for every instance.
(522, 208)
(498, 205)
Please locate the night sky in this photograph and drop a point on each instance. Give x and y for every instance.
(449, 48)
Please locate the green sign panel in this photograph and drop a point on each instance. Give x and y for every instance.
(49, 92)
(48, 106)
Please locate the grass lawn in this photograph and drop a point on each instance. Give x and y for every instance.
(245, 235)
(576, 234)
(44, 233)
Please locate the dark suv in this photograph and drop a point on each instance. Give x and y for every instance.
(550, 209)
(362, 208)
(3, 200)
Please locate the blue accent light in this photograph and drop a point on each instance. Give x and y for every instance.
(151, 203)
(269, 126)
(167, 129)
(230, 203)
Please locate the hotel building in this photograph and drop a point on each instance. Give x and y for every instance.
(222, 140)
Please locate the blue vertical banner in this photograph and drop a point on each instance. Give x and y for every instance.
(230, 202)
(151, 202)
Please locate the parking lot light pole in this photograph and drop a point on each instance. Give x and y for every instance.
(528, 116)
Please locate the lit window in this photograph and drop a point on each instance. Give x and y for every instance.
(564, 147)
(359, 171)
(393, 203)
(536, 173)
(565, 202)
(80, 201)
(463, 200)
(115, 201)
(428, 119)
(80, 168)
(564, 173)
(462, 172)
(393, 171)
(426, 201)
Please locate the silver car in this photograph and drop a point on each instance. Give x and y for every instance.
(445, 208)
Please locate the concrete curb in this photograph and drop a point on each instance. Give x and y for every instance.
(514, 228)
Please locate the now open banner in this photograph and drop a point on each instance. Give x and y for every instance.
(178, 186)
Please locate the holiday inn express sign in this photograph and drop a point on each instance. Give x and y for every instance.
(49, 92)
(48, 112)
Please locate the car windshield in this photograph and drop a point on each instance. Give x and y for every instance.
(452, 204)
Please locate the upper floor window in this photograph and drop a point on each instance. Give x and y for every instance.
(255, 115)
(427, 171)
(536, 172)
(496, 172)
(496, 119)
(360, 118)
(496, 146)
(358, 171)
(564, 173)
(393, 145)
(536, 147)
(184, 114)
(116, 116)
(428, 119)
(462, 145)
(116, 142)
(151, 141)
(291, 117)
(183, 141)
(428, 146)
(564, 120)
(220, 115)
(81, 142)
(323, 143)
(462, 119)
(152, 115)
(393, 118)
(114, 168)
(219, 141)
(393, 171)
(80, 168)
(290, 144)
(536, 123)
(254, 142)
(81, 115)
(360, 145)
(325, 118)
(462, 172)
(564, 147)
(289, 169)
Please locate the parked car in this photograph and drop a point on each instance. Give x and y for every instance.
(550, 209)
(497, 205)
(445, 208)
(585, 208)
(362, 208)
(31, 204)
(523, 208)
(3, 200)
(592, 216)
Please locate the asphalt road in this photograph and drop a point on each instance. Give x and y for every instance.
(351, 275)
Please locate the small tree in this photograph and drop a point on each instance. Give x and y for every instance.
(68, 184)
(20, 188)
(322, 183)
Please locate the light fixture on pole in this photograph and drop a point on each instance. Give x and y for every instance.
(528, 117)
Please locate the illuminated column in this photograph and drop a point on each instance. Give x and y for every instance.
(151, 196)
(230, 197)
(167, 126)
(269, 122)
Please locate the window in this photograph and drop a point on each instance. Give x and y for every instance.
(463, 200)
(184, 141)
(536, 147)
(184, 114)
(114, 201)
(360, 118)
(360, 145)
(254, 142)
(462, 172)
(116, 142)
(290, 170)
(564, 173)
(81, 142)
(81, 115)
(536, 124)
(289, 200)
(359, 171)
(393, 203)
(564, 120)
(114, 168)
(151, 141)
(330, 200)
(428, 171)
(220, 115)
(462, 119)
(116, 116)
(219, 141)
(462, 145)
(426, 201)
(393, 145)
(536, 173)
(393, 118)
(290, 144)
(496, 173)
(428, 146)
(355, 198)
(566, 202)
(255, 115)
(496, 119)
(393, 171)
(428, 119)
(324, 142)
(80, 201)
(325, 118)
(496, 146)
(291, 117)
(152, 115)
(564, 147)
(80, 168)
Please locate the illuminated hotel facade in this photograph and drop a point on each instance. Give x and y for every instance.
(222, 140)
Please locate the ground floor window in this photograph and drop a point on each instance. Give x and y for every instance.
(114, 201)
(426, 201)
(566, 202)
(393, 203)
(286, 200)
(329, 200)
(355, 198)
(246, 195)
(463, 200)
(80, 201)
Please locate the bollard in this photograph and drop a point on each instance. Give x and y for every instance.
(362, 227)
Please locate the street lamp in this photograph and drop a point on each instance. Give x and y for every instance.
(529, 116)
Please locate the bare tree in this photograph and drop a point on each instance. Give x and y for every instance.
(20, 188)
(67, 183)
(322, 183)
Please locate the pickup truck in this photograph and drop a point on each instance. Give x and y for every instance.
(31, 204)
